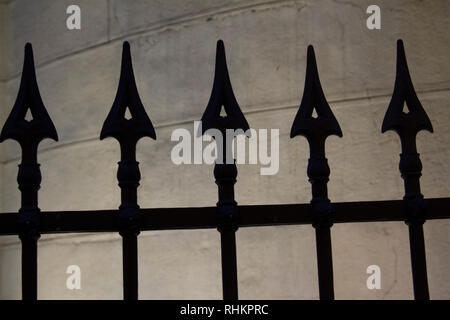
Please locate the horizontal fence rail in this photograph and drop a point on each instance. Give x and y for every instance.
(227, 216)
(53, 222)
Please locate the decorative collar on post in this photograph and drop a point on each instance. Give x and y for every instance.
(316, 130)
(128, 132)
(407, 125)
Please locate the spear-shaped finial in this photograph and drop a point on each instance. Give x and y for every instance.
(316, 130)
(222, 95)
(28, 133)
(127, 96)
(406, 124)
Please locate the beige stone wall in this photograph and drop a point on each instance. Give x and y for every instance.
(173, 49)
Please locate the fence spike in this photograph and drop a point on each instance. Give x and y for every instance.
(316, 130)
(29, 134)
(127, 96)
(222, 95)
(407, 125)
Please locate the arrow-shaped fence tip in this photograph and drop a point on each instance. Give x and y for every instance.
(127, 96)
(404, 93)
(313, 98)
(28, 97)
(222, 95)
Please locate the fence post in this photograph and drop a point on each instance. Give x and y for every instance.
(225, 173)
(316, 130)
(128, 132)
(29, 134)
(407, 125)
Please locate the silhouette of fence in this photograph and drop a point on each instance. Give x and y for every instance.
(29, 223)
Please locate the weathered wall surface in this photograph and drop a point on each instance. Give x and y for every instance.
(173, 49)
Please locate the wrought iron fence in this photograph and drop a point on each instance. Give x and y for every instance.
(227, 216)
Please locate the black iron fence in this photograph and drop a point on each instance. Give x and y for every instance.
(227, 216)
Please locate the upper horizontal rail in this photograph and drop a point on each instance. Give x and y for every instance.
(204, 217)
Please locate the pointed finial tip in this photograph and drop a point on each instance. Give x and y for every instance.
(400, 46)
(311, 58)
(220, 46)
(28, 48)
(126, 54)
(220, 53)
(28, 58)
(401, 55)
(311, 54)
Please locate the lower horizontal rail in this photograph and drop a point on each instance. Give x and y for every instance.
(204, 217)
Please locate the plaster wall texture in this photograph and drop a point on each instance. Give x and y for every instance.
(173, 49)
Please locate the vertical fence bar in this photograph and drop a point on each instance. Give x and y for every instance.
(128, 132)
(407, 124)
(128, 176)
(316, 130)
(29, 179)
(324, 263)
(418, 261)
(29, 133)
(29, 264)
(225, 170)
(225, 175)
